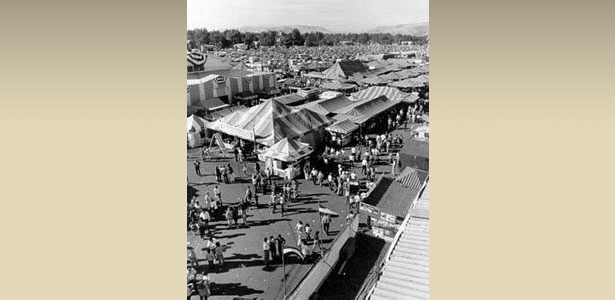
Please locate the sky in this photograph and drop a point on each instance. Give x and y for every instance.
(334, 15)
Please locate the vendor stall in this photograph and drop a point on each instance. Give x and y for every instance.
(343, 130)
(285, 157)
(195, 131)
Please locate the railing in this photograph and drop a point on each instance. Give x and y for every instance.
(315, 277)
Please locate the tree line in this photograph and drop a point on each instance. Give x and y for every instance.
(229, 37)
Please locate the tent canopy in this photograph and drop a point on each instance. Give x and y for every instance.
(290, 99)
(377, 91)
(376, 80)
(288, 150)
(344, 68)
(270, 122)
(364, 110)
(338, 85)
(328, 106)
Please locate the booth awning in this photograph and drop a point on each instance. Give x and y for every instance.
(343, 127)
(365, 110)
(214, 104)
(247, 95)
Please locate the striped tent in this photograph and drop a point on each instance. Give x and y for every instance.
(376, 80)
(363, 110)
(377, 91)
(408, 83)
(411, 178)
(288, 150)
(270, 122)
(390, 76)
(343, 127)
(328, 106)
(338, 85)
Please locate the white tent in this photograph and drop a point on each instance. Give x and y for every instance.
(288, 150)
(196, 122)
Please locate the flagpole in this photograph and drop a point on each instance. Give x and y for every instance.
(284, 271)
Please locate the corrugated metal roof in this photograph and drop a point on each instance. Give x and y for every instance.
(406, 274)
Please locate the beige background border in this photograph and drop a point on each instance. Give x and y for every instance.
(92, 120)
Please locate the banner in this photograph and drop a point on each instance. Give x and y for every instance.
(369, 210)
(196, 58)
(238, 132)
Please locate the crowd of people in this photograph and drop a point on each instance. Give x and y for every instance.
(336, 169)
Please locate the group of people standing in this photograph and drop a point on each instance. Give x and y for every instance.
(200, 214)
(273, 249)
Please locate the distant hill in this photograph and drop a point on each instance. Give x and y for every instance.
(285, 29)
(416, 29)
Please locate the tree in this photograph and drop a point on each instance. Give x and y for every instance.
(249, 38)
(363, 38)
(310, 40)
(268, 38)
(234, 36)
(295, 37)
(319, 37)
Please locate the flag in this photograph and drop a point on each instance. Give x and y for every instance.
(324, 210)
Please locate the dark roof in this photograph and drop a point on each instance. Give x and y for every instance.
(352, 66)
(225, 73)
(290, 99)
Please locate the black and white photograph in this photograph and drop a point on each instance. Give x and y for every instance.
(307, 149)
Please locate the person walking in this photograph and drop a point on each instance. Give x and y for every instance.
(273, 203)
(326, 222)
(203, 287)
(197, 167)
(229, 216)
(244, 171)
(231, 174)
(219, 255)
(256, 199)
(313, 175)
(225, 175)
(236, 152)
(210, 258)
(282, 206)
(268, 174)
(202, 229)
(244, 215)
(217, 194)
(248, 196)
(280, 241)
(273, 248)
(236, 215)
(218, 174)
(266, 248)
(320, 178)
(393, 165)
(308, 232)
(317, 242)
(364, 166)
